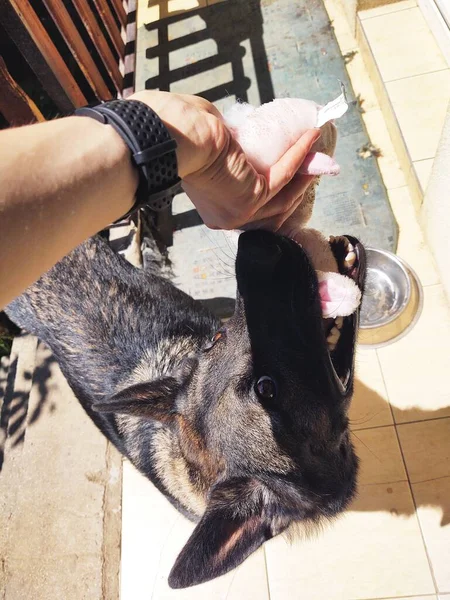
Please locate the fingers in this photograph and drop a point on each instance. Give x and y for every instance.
(284, 170)
(286, 201)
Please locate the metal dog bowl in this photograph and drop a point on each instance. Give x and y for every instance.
(392, 302)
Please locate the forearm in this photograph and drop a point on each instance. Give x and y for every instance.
(60, 182)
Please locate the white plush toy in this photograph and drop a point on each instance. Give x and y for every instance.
(265, 134)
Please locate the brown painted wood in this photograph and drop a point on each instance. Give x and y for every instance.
(98, 39)
(111, 26)
(120, 11)
(15, 105)
(78, 48)
(29, 35)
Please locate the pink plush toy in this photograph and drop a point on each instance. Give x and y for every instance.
(281, 123)
(265, 134)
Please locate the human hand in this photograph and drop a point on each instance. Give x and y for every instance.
(226, 190)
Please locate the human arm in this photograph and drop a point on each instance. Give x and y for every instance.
(62, 181)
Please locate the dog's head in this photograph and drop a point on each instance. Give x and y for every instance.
(260, 412)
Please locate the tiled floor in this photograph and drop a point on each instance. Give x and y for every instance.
(415, 76)
(394, 541)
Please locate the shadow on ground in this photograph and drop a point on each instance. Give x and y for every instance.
(373, 503)
(14, 414)
(228, 23)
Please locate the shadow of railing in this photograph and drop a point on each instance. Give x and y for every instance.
(15, 415)
(129, 59)
(229, 23)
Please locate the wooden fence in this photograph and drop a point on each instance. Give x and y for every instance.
(56, 55)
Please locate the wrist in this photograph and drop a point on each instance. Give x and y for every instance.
(194, 123)
(152, 149)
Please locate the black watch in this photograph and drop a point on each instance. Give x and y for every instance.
(152, 149)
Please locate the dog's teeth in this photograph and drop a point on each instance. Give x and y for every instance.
(350, 259)
(331, 347)
(339, 322)
(333, 336)
(349, 246)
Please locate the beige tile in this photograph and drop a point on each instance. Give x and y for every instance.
(369, 407)
(386, 9)
(427, 597)
(177, 6)
(411, 244)
(151, 11)
(361, 83)
(423, 171)
(420, 105)
(344, 35)
(415, 188)
(384, 101)
(374, 550)
(390, 168)
(415, 368)
(147, 13)
(211, 2)
(153, 533)
(403, 45)
(379, 453)
(433, 509)
(426, 448)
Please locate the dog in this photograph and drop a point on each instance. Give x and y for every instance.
(242, 426)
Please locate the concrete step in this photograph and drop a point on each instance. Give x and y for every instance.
(60, 487)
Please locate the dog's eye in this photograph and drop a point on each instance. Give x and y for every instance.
(266, 388)
(215, 338)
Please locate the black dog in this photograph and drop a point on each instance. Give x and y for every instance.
(243, 427)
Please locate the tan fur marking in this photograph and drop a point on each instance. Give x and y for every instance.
(173, 471)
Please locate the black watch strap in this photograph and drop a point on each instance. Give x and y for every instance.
(152, 149)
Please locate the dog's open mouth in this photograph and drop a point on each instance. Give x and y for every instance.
(341, 332)
(266, 257)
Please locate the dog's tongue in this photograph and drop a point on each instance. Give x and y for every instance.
(318, 163)
(339, 295)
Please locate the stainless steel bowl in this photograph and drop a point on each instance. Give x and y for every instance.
(392, 300)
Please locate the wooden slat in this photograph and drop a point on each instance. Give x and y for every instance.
(15, 105)
(78, 48)
(27, 32)
(120, 11)
(111, 26)
(98, 39)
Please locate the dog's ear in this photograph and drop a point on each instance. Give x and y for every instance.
(149, 400)
(238, 519)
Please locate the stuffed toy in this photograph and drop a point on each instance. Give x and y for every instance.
(265, 134)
